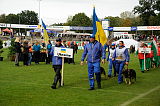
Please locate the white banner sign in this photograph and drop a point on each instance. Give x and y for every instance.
(144, 50)
(121, 28)
(63, 52)
(105, 24)
(148, 28)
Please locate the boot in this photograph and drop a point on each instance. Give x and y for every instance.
(53, 86)
(99, 85)
(55, 83)
(98, 78)
(91, 89)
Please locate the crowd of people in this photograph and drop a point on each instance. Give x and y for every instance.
(118, 57)
(32, 52)
(141, 37)
(148, 60)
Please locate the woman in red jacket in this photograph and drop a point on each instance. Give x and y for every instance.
(141, 58)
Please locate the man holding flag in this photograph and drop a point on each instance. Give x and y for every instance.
(94, 50)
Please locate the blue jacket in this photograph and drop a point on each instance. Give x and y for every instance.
(36, 47)
(94, 52)
(49, 47)
(55, 59)
(105, 47)
(125, 54)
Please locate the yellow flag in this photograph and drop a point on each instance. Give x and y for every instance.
(100, 34)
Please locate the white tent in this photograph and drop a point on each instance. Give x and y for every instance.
(128, 43)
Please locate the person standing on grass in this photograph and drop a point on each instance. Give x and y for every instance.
(148, 62)
(57, 64)
(121, 57)
(48, 57)
(141, 58)
(36, 52)
(111, 62)
(30, 55)
(17, 50)
(25, 53)
(94, 50)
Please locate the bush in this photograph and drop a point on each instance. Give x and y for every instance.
(12, 48)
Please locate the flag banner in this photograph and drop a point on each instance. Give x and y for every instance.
(155, 51)
(98, 31)
(45, 34)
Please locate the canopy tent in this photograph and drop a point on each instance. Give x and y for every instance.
(6, 30)
(128, 43)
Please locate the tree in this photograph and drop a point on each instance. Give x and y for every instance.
(137, 21)
(2, 18)
(69, 21)
(146, 9)
(28, 17)
(127, 14)
(126, 22)
(114, 21)
(79, 19)
(12, 19)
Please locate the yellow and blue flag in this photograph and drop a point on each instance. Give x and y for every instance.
(45, 34)
(98, 31)
(63, 50)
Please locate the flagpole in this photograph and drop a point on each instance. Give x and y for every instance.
(62, 71)
(144, 61)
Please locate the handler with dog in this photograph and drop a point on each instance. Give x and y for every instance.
(121, 57)
(94, 50)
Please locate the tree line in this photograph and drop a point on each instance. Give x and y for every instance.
(147, 13)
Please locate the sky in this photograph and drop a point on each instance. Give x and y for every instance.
(57, 11)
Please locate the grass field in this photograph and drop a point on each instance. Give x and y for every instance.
(30, 86)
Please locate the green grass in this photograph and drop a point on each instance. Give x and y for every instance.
(30, 86)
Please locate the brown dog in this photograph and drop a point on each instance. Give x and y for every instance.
(129, 74)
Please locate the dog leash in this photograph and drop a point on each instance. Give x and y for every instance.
(127, 67)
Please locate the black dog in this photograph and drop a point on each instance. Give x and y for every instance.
(103, 71)
(130, 74)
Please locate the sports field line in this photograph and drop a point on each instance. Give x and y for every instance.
(140, 96)
(103, 90)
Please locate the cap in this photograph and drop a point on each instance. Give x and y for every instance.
(113, 44)
(58, 40)
(92, 36)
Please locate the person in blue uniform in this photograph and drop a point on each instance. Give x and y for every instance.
(48, 57)
(94, 51)
(111, 62)
(121, 57)
(57, 64)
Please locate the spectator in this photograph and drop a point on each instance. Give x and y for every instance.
(25, 53)
(17, 50)
(36, 51)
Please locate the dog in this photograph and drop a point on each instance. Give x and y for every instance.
(102, 71)
(129, 74)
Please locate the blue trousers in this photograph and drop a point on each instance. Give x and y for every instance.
(111, 64)
(119, 68)
(29, 58)
(94, 68)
